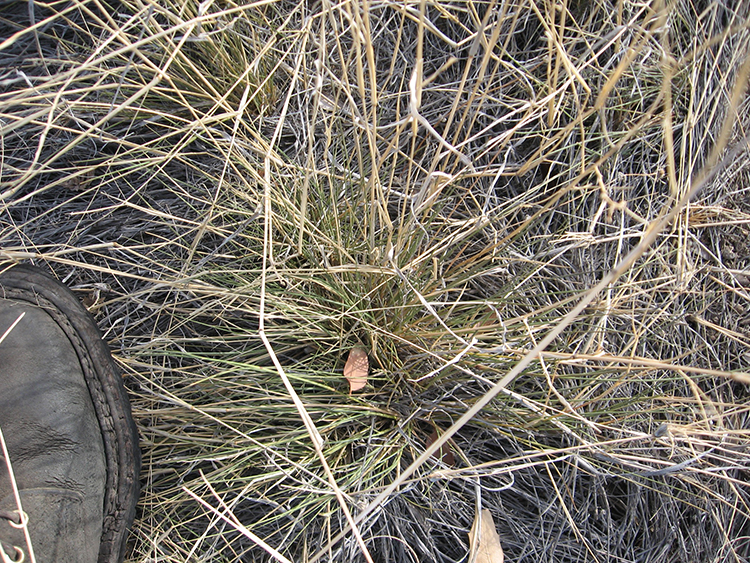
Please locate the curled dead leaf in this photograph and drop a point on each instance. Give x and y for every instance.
(356, 369)
(484, 541)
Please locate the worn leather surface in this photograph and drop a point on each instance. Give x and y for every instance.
(66, 414)
(72, 527)
(53, 437)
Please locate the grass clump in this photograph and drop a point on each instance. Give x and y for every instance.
(532, 215)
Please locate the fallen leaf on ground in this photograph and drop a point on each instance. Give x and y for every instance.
(444, 454)
(356, 369)
(484, 542)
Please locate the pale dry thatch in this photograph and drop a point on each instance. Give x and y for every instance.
(242, 194)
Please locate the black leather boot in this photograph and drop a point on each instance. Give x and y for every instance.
(64, 415)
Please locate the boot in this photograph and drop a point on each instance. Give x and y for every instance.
(72, 455)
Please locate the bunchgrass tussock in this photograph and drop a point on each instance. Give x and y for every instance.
(533, 216)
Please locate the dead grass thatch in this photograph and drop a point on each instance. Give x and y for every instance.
(533, 215)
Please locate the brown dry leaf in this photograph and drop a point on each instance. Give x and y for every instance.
(356, 369)
(485, 543)
(444, 454)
